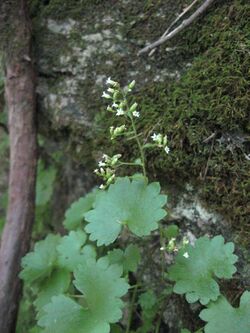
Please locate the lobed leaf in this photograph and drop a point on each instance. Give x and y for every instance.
(222, 317)
(194, 276)
(39, 264)
(70, 250)
(74, 216)
(57, 284)
(128, 259)
(63, 315)
(102, 287)
(131, 203)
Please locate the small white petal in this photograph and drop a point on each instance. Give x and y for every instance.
(154, 137)
(105, 156)
(115, 105)
(136, 114)
(101, 187)
(186, 255)
(105, 95)
(108, 80)
(120, 112)
(101, 164)
(167, 149)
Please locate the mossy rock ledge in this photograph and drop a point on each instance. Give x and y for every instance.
(196, 89)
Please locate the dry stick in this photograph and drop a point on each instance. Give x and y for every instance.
(178, 29)
(175, 21)
(20, 99)
(179, 17)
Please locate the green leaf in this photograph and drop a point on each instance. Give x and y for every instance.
(149, 305)
(102, 288)
(171, 231)
(39, 264)
(148, 300)
(116, 256)
(116, 329)
(63, 315)
(131, 203)
(36, 330)
(128, 259)
(222, 317)
(184, 330)
(131, 258)
(56, 284)
(194, 276)
(74, 216)
(70, 250)
(89, 251)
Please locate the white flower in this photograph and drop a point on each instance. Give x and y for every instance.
(108, 81)
(111, 90)
(101, 187)
(156, 137)
(105, 95)
(105, 157)
(109, 109)
(247, 157)
(120, 112)
(167, 149)
(96, 171)
(115, 105)
(186, 255)
(101, 164)
(136, 114)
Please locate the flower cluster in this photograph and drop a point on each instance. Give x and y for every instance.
(161, 141)
(174, 246)
(119, 104)
(107, 169)
(116, 131)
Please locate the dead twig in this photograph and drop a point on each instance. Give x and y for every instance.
(175, 21)
(179, 28)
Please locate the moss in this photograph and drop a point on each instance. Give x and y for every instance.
(211, 98)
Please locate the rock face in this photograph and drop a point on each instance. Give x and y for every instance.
(77, 51)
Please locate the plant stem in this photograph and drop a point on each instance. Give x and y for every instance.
(128, 163)
(131, 309)
(139, 146)
(158, 325)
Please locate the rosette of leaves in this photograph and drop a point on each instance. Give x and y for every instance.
(102, 287)
(222, 317)
(195, 274)
(134, 204)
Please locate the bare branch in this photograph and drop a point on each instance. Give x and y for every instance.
(179, 28)
(179, 17)
(175, 21)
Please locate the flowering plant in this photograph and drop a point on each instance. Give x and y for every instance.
(128, 113)
(79, 280)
